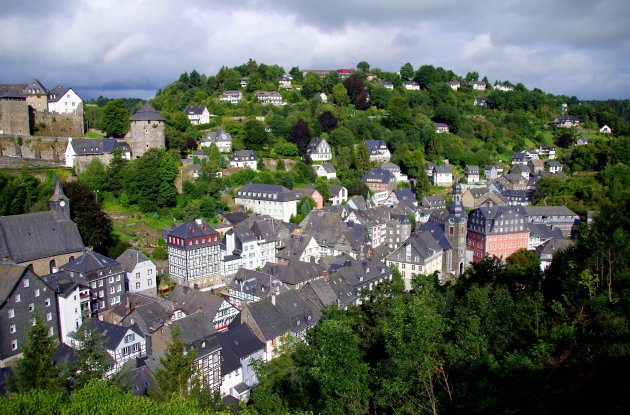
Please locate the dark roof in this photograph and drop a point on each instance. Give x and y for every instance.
(91, 146)
(437, 232)
(90, 263)
(240, 155)
(295, 272)
(147, 113)
(239, 342)
(12, 91)
(57, 93)
(378, 175)
(374, 146)
(10, 275)
(444, 168)
(256, 283)
(37, 235)
(312, 146)
(193, 229)
(235, 218)
(60, 282)
(195, 110)
(112, 334)
(268, 319)
(194, 328)
(554, 245)
(548, 211)
(35, 88)
(266, 192)
(433, 201)
(192, 301)
(130, 258)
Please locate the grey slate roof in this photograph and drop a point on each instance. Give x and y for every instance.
(130, 258)
(193, 229)
(266, 192)
(55, 94)
(375, 146)
(437, 232)
(295, 272)
(194, 327)
(147, 113)
(377, 175)
(548, 211)
(444, 168)
(243, 155)
(90, 263)
(318, 293)
(90, 146)
(268, 319)
(37, 235)
(237, 343)
(35, 88)
(194, 109)
(217, 136)
(433, 202)
(192, 301)
(10, 275)
(259, 284)
(554, 245)
(112, 334)
(12, 91)
(329, 169)
(60, 282)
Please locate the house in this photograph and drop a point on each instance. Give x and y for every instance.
(378, 151)
(434, 202)
(311, 192)
(531, 154)
(81, 151)
(536, 166)
(248, 286)
(219, 137)
(540, 233)
(471, 173)
(503, 87)
(497, 230)
(21, 293)
(398, 195)
(319, 150)
(273, 319)
(140, 272)
(442, 176)
(386, 84)
(320, 96)
(566, 121)
(267, 199)
(547, 250)
(557, 217)
(440, 127)
(299, 248)
(243, 242)
(41, 241)
(605, 130)
(244, 159)
(480, 102)
(419, 254)
(204, 311)
(455, 85)
(582, 141)
(490, 172)
(295, 273)
(478, 85)
(378, 180)
(476, 197)
(519, 158)
(64, 101)
(231, 97)
(326, 170)
(285, 82)
(339, 195)
(411, 86)
(521, 169)
(516, 197)
(244, 81)
(121, 343)
(549, 151)
(240, 350)
(269, 97)
(194, 250)
(554, 166)
(197, 114)
(394, 169)
(105, 277)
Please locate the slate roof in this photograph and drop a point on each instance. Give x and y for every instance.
(329, 169)
(148, 317)
(147, 113)
(543, 231)
(192, 301)
(443, 169)
(471, 169)
(378, 175)
(554, 245)
(548, 211)
(12, 91)
(55, 94)
(314, 144)
(130, 258)
(60, 282)
(95, 146)
(259, 284)
(266, 192)
(295, 272)
(217, 136)
(194, 327)
(195, 109)
(10, 275)
(437, 232)
(423, 245)
(434, 202)
(38, 235)
(375, 146)
(235, 218)
(268, 319)
(243, 155)
(112, 334)
(298, 315)
(345, 293)
(193, 229)
(90, 263)
(35, 88)
(319, 293)
(237, 343)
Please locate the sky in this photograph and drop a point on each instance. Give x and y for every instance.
(131, 48)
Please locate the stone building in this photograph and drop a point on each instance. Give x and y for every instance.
(147, 131)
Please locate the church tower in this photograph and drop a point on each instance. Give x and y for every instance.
(455, 229)
(59, 203)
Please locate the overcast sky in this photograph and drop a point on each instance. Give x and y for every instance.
(131, 48)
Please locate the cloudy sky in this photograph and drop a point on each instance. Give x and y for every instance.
(131, 48)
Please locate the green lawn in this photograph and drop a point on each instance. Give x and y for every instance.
(93, 135)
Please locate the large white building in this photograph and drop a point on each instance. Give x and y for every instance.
(268, 199)
(141, 272)
(63, 100)
(319, 150)
(194, 251)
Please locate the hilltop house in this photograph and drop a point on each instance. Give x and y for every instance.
(319, 150)
(197, 114)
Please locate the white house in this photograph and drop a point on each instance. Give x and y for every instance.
(197, 114)
(411, 86)
(63, 100)
(441, 127)
(503, 87)
(319, 150)
(269, 97)
(338, 195)
(194, 250)
(244, 158)
(605, 130)
(478, 85)
(268, 199)
(222, 139)
(141, 272)
(442, 176)
(80, 151)
(231, 97)
(325, 170)
(378, 151)
(285, 82)
(454, 85)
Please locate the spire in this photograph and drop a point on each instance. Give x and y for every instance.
(59, 202)
(456, 207)
(58, 191)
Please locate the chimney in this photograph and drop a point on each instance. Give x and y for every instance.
(128, 305)
(198, 221)
(325, 275)
(273, 299)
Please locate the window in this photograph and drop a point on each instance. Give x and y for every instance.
(101, 293)
(37, 292)
(48, 316)
(151, 269)
(112, 301)
(93, 284)
(26, 282)
(47, 302)
(12, 328)
(100, 283)
(14, 344)
(137, 286)
(119, 288)
(18, 298)
(129, 338)
(137, 275)
(136, 347)
(11, 313)
(51, 331)
(31, 307)
(118, 277)
(149, 281)
(111, 280)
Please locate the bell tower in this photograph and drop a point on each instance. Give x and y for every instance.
(59, 203)
(455, 229)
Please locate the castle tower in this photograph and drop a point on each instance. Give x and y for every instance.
(455, 229)
(147, 131)
(36, 96)
(59, 203)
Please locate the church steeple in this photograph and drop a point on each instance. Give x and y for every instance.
(456, 208)
(59, 203)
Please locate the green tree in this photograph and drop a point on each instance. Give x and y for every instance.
(255, 136)
(92, 360)
(340, 95)
(36, 370)
(178, 368)
(422, 184)
(95, 176)
(406, 72)
(114, 119)
(311, 85)
(399, 113)
(362, 159)
(300, 135)
(363, 66)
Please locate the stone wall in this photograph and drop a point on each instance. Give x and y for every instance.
(42, 266)
(30, 147)
(51, 124)
(81, 162)
(14, 117)
(144, 135)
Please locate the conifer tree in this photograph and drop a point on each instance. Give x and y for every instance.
(92, 359)
(36, 369)
(178, 368)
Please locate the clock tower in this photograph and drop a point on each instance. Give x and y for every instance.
(455, 230)
(59, 203)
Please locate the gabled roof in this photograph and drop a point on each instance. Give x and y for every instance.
(12, 91)
(313, 146)
(443, 169)
(217, 136)
(295, 272)
(37, 235)
(318, 293)
(377, 175)
(55, 94)
(96, 146)
(238, 342)
(90, 263)
(130, 258)
(554, 245)
(193, 229)
(266, 192)
(60, 282)
(194, 327)
(437, 232)
(239, 155)
(192, 301)
(234, 218)
(147, 113)
(112, 334)
(35, 88)
(329, 168)
(195, 109)
(268, 319)
(548, 211)
(375, 146)
(10, 275)
(259, 284)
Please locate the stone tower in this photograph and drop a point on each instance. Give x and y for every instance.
(59, 203)
(36, 96)
(146, 131)
(455, 229)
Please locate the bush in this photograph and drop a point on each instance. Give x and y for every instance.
(160, 254)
